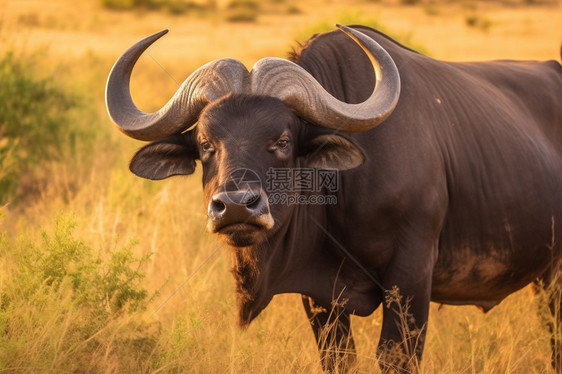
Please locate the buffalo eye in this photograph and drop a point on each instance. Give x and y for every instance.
(206, 150)
(282, 147)
(207, 147)
(282, 144)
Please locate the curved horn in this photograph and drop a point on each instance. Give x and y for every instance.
(300, 90)
(208, 83)
(270, 76)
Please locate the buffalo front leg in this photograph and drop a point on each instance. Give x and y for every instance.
(403, 334)
(405, 312)
(332, 331)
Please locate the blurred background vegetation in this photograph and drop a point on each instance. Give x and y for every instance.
(103, 272)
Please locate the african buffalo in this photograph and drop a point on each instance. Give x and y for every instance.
(456, 197)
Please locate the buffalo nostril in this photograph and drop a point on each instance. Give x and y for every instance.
(218, 206)
(253, 201)
(236, 204)
(238, 207)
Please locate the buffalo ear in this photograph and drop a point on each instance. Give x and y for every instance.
(174, 155)
(331, 151)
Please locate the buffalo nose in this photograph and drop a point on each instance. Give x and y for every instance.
(230, 207)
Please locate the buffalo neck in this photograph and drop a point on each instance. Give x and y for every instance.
(285, 262)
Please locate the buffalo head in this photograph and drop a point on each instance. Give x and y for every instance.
(276, 116)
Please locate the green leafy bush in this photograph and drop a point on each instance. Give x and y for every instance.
(108, 285)
(177, 7)
(47, 122)
(61, 299)
(476, 21)
(356, 17)
(242, 11)
(293, 9)
(131, 4)
(44, 124)
(33, 121)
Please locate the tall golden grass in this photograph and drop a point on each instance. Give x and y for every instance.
(190, 326)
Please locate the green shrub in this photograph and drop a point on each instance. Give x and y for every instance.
(293, 9)
(118, 4)
(356, 17)
(176, 7)
(478, 22)
(109, 285)
(33, 121)
(410, 2)
(131, 4)
(242, 11)
(44, 124)
(62, 303)
(182, 7)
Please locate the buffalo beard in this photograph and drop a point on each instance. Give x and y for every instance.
(246, 273)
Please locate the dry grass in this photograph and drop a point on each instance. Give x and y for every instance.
(191, 326)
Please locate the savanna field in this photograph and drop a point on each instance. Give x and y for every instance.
(102, 272)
